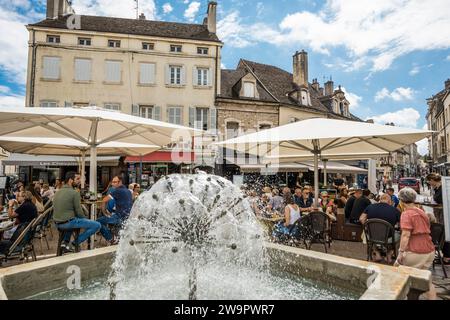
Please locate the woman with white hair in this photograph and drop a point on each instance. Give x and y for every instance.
(416, 247)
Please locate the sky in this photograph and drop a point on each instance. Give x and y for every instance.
(389, 56)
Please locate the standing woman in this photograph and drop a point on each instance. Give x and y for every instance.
(416, 247)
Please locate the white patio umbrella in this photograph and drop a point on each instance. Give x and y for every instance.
(72, 147)
(323, 137)
(91, 126)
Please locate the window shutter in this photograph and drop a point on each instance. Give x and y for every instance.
(82, 69)
(191, 117)
(156, 113)
(51, 67)
(183, 75)
(181, 109)
(113, 71)
(195, 76)
(147, 73)
(210, 73)
(167, 74)
(213, 119)
(135, 110)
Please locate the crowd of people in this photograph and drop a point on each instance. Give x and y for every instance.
(25, 204)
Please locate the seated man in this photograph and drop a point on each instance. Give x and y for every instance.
(304, 201)
(384, 211)
(360, 204)
(123, 200)
(68, 213)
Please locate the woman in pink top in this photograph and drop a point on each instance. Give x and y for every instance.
(416, 248)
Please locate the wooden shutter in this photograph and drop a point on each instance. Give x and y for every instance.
(147, 73)
(51, 67)
(191, 117)
(213, 118)
(113, 71)
(135, 110)
(156, 113)
(183, 75)
(210, 76)
(167, 74)
(195, 76)
(82, 69)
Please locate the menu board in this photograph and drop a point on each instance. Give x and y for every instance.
(446, 205)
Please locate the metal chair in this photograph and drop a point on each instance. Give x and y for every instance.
(43, 227)
(23, 245)
(438, 238)
(318, 230)
(379, 233)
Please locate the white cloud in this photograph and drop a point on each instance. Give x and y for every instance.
(167, 8)
(415, 70)
(422, 147)
(12, 101)
(114, 8)
(192, 10)
(448, 58)
(398, 94)
(407, 117)
(354, 99)
(222, 65)
(376, 31)
(4, 89)
(231, 31)
(185, 1)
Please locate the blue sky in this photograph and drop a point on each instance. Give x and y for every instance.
(389, 55)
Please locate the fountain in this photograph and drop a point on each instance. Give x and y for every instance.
(196, 237)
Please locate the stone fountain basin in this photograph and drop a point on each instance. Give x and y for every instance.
(372, 281)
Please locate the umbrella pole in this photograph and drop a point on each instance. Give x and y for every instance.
(83, 169)
(93, 170)
(316, 173)
(325, 180)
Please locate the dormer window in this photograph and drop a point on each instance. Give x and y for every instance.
(175, 48)
(114, 43)
(249, 89)
(53, 39)
(148, 46)
(84, 41)
(201, 50)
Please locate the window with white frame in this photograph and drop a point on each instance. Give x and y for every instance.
(48, 104)
(175, 74)
(148, 46)
(84, 41)
(202, 76)
(175, 48)
(112, 106)
(249, 89)
(113, 71)
(82, 69)
(53, 39)
(174, 115)
(146, 112)
(201, 118)
(51, 68)
(202, 50)
(146, 73)
(114, 43)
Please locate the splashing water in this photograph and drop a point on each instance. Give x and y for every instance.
(196, 237)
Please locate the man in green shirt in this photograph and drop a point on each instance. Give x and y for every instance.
(67, 212)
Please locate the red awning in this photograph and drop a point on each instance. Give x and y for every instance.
(164, 156)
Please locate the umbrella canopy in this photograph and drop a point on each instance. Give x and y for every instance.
(71, 147)
(91, 126)
(325, 137)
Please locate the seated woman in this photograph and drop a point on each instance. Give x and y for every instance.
(291, 215)
(22, 209)
(37, 199)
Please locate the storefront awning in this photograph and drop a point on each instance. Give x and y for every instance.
(164, 157)
(16, 159)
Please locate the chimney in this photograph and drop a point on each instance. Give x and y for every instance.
(447, 84)
(316, 85)
(321, 91)
(329, 88)
(211, 20)
(301, 69)
(58, 8)
(142, 17)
